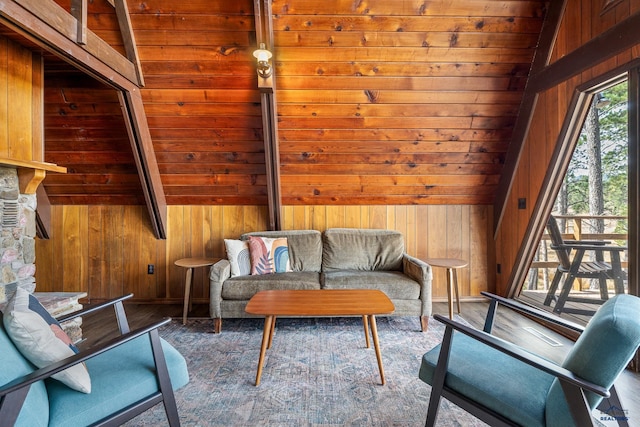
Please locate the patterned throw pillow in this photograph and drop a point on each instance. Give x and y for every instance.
(269, 255)
(39, 337)
(238, 256)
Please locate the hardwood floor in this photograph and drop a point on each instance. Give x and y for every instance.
(508, 325)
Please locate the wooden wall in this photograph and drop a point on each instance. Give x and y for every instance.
(583, 20)
(85, 131)
(395, 103)
(105, 250)
(21, 128)
(378, 102)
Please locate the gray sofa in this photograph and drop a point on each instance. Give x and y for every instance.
(339, 258)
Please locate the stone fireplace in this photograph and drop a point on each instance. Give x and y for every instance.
(17, 252)
(17, 236)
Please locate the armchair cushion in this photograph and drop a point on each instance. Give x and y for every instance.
(600, 354)
(40, 338)
(123, 374)
(524, 398)
(35, 409)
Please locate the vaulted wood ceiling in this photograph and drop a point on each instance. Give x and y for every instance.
(378, 102)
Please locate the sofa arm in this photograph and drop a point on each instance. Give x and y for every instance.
(422, 273)
(220, 271)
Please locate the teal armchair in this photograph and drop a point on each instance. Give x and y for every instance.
(505, 385)
(130, 373)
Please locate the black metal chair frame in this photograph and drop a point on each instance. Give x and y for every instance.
(580, 268)
(572, 385)
(13, 394)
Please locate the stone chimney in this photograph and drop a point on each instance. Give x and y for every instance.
(17, 236)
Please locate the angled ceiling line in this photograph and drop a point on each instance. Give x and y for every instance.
(54, 29)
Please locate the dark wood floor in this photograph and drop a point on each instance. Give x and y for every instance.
(510, 326)
(536, 298)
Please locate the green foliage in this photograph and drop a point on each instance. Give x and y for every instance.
(614, 143)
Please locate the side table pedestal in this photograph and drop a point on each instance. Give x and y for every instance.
(451, 264)
(190, 264)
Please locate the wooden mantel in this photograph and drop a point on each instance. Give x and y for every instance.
(31, 173)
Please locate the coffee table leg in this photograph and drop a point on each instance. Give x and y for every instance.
(365, 322)
(266, 337)
(272, 332)
(376, 345)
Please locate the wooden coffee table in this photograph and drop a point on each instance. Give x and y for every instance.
(320, 303)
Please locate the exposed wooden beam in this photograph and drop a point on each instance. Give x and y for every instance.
(616, 39)
(124, 21)
(56, 30)
(145, 158)
(79, 11)
(52, 28)
(264, 34)
(546, 41)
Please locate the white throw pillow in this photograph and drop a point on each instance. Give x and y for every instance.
(39, 337)
(238, 256)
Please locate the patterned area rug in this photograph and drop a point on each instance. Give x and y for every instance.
(317, 373)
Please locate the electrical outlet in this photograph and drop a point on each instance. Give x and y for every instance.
(522, 203)
(150, 268)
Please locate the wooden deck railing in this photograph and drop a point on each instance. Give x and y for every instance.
(576, 227)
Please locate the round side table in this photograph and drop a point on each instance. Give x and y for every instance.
(451, 264)
(190, 264)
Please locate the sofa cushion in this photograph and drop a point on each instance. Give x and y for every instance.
(244, 287)
(238, 256)
(393, 283)
(362, 249)
(35, 409)
(40, 338)
(305, 247)
(120, 376)
(269, 255)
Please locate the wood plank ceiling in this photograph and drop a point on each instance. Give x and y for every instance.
(379, 102)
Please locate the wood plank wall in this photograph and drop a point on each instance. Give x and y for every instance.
(384, 102)
(85, 132)
(583, 20)
(105, 250)
(379, 102)
(21, 88)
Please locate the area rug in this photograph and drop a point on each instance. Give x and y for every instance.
(317, 373)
